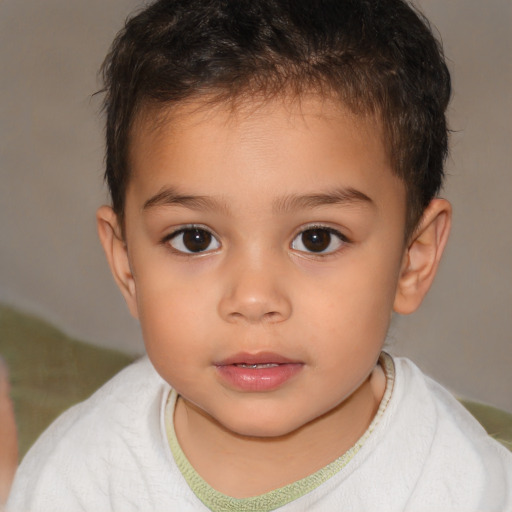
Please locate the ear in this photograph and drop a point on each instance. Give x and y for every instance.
(422, 256)
(116, 251)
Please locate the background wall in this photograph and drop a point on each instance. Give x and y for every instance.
(51, 164)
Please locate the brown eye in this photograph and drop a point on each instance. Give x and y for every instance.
(193, 240)
(318, 240)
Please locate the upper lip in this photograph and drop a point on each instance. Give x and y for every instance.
(258, 358)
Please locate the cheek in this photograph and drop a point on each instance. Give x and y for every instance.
(178, 311)
(171, 339)
(352, 308)
(172, 318)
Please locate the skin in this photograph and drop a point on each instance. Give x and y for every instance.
(8, 437)
(256, 178)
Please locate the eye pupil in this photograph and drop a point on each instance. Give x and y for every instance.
(316, 240)
(197, 240)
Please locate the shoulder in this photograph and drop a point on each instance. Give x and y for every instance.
(459, 460)
(417, 390)
(132, 394)
(112, 434)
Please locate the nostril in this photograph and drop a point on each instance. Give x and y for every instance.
(268, 317)
(271, 316)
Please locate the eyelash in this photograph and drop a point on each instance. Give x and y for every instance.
(211, 238)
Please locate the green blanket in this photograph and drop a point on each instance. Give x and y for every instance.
(50, 372)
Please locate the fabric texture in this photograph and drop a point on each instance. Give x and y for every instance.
(110, 453)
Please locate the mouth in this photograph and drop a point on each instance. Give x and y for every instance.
(256, 366)
(261, 359)
(257, 372)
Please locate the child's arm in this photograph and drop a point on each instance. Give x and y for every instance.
(8, 438)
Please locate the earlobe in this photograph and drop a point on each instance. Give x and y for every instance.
(109, 232)
(422, 256)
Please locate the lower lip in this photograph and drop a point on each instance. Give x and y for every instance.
(258, 379)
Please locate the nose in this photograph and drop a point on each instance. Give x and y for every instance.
(254, 293)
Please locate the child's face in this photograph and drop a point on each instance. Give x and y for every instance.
(271, 237)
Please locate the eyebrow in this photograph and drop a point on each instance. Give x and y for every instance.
(171, 197)
(341, 196)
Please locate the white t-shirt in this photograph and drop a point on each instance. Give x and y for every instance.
(423, 453)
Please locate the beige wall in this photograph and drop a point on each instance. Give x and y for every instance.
(51, 154)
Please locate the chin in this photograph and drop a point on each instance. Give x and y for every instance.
(262, 427)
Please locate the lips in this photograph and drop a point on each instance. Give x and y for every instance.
(256, 359)
(257, 372)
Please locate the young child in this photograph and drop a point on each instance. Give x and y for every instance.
(273, 166)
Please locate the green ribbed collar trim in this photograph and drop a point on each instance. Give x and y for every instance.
(218, 502)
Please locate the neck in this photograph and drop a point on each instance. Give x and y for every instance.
(252, 466)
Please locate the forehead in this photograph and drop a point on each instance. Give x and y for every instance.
(285, 144)
(156, 123)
